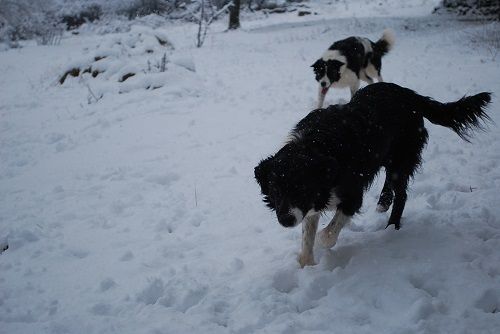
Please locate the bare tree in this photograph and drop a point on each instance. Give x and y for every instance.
(234, 15)
(205, 21)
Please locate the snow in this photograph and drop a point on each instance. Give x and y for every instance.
(138, 213)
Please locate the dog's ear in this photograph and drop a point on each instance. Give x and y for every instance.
(317, 63)
(261, 173)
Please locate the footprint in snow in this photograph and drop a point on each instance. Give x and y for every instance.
(164, 226)
(106, 284)
(78, 253)
(163, 179)
(127, 256)
(152, 292)
(421, 284)
(338, 257)
(102, 309)
(489, 302)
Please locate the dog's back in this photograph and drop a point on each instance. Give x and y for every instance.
(354, 51)
(360, 52)
(397, 106)
(383, 125)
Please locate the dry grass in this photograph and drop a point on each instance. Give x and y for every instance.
(487, 37)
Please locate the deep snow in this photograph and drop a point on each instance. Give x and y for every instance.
(138, 213)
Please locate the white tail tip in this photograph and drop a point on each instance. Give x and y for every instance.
(389, 36)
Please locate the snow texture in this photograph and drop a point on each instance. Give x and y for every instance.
(138, 212)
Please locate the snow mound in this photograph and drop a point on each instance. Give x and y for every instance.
(121, 63)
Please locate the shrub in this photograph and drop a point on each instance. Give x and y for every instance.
(89, 14)
(146, 7)
(489, 9)
(25, 19)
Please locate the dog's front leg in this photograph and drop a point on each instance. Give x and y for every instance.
(354, 87)
(309, 227)
(321, 96)
(329, 235)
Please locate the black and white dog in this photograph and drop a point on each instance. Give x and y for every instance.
(350, 60)
(333, 155)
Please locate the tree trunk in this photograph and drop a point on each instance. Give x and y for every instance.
(234, 15)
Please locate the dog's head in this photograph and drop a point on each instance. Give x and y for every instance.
(296, 183)
(327, 71)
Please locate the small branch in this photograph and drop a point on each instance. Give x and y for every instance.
(203, 25)
(202, 14)
(220, 11)
(195, 197)
(92, 94)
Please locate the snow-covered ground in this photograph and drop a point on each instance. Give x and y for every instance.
(137, 211)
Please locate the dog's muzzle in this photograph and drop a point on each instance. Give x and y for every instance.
(287, 220)
(285, 216)
(324, 87)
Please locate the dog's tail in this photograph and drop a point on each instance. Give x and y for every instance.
(385, 43)
(462, 116)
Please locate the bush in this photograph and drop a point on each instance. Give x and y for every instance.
(487, 37)
(25, 19)
(89, 14)
(489, 9)
(147, 7)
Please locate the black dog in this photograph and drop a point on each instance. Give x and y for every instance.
(334, 154)
(350, 60)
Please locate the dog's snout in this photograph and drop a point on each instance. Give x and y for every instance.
(323, 84)
(287, 220)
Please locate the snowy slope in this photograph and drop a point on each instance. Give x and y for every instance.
(139, 213)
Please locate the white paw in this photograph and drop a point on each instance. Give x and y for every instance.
(306, 260)
(327, 238)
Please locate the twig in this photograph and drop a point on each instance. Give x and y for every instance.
(201, 37)
(92, 94)
(195, 196)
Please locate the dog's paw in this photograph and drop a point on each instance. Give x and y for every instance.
(327, 239)
(397, 225)
(306, 260)
(382, 208)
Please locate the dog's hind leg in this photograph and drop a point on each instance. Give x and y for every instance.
(365, 77)
(387, 194)
(400, 184)
(354, 87)
(372, 72)
(406, 156)
(329, 235)
(309, 227)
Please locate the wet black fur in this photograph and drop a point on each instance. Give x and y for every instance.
(356, 57)
(341, 149)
